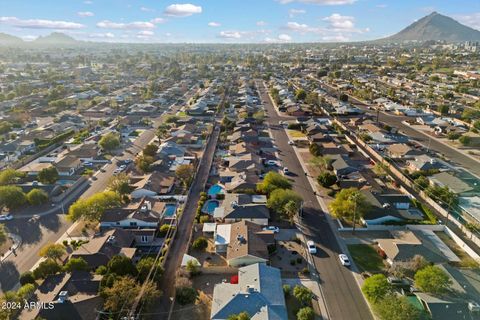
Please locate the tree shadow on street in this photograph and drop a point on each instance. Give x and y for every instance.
(27, 229)
(9, 275)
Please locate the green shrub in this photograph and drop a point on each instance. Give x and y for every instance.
(201, 243)
(26, 277)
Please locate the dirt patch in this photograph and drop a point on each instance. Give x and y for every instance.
(209, 257)
(200, 310)
(84, 229)
(289, 257)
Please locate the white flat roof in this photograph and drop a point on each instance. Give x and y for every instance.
(222, 235)
(258, 198)
(209, 227)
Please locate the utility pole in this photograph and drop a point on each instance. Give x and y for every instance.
(354, 197)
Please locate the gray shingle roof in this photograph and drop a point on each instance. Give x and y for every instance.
(258, 292)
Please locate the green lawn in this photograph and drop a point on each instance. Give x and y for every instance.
(296, 134)
(366, 258)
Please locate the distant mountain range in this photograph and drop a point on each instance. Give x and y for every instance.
(435, 27)
(55, 38)
(432, 27)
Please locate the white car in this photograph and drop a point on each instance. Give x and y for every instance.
(311, 246)
(285, 170)
(117, 171)
(344, 260)
(290, 142)
(6, 217)
(122, 167)
(272, 228)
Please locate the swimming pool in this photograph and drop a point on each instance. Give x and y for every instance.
(210, 206)
(64, 182)
(169, 210)
(214, 190)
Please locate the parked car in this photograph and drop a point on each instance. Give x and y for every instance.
(117, 171)
(271, 163)
(272, 228)
(311, 246)
(344, 260)
(290, 142)
(6, 217)
(285, 171)
(122, 167)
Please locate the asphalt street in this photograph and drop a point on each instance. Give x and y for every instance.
(454, 156)
(343, 297)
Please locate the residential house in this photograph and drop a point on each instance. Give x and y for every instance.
(385, 207)
(101, 248)
(247, 162)
(341, 166)
(86, 152)
(145, 214)
(242, 181)
(248, 244)
(237, 207)
(403, 245)
(153, 184)
(401, 151)
(258, 292)
(33, 168)
(424, 162)
(74, 294)
(68, 165)
(445, 179)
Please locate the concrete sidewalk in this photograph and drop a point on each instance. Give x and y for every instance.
(17, 242)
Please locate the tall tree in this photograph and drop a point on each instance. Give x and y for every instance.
(432, 279)
(349, 202)
(273, 181)
(48, 175)
(54, 251)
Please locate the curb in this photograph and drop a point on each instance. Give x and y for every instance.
(356, 275)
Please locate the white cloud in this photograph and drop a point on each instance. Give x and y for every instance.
(106, 24)
(40, 23)
(214, 24)
(335, 38)
(284, 37)
(261, 23)
(88, 2)
(145, 9)
(321, 2)
(146, 33)
(230, 34)
(293, 12)
(85, 14)
(106, 35)
(381, 6)
(158, 20)
(281, 38)
(298, 27)
(182, 10)
(338, 21)
(472, 20)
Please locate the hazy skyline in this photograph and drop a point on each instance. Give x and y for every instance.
(224, 21)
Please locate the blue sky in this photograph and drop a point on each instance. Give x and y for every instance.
(224, 20)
